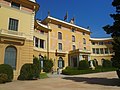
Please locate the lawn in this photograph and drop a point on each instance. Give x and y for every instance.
(43, 75)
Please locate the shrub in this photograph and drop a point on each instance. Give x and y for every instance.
(70, 72)
(36, 64)
(83, 64)
(106, 63)
(3, 78)
(7, 69)
(27, 72)
(47, 65)
(71, 68)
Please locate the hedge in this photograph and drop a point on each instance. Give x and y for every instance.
(27, 72)
(8, 70)
(83, 64)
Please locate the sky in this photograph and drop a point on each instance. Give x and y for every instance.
(92, 13)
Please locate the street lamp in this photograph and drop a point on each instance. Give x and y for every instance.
(41, 60)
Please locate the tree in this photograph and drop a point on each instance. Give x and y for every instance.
(114, 30)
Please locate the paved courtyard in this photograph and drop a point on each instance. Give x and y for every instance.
(98, 81)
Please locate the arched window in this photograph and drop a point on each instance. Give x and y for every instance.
(60, 35)
(60, 62)
(73, 38)
(10, 56)
(74, 47)
(84, 41)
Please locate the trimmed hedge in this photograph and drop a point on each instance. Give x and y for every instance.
(3, 78)
(27, 72)
(47, 65)
(83, 64)
(30, 71)
(106, 63)
(36, 63)
(86, 71)
(8, 70)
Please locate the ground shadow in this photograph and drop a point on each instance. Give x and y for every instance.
(100, 81)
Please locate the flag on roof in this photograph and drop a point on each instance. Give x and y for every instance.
(66, 16)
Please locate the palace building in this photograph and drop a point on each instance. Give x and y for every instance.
(22, 37)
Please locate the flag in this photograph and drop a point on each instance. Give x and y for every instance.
(66, 16)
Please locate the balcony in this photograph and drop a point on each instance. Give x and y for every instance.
(12, 34)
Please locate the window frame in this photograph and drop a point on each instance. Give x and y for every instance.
(59, 35)
(60, 46)
(74, 47)
(15, 5)
(73, 38)
(84, 41)
(13, 24)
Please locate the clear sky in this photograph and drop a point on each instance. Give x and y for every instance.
(92, 13)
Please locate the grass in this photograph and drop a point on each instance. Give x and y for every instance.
(43, 75)
(87, 71)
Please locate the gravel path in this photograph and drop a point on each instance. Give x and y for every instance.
(97, 81)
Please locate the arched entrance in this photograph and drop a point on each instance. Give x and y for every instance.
(60, 62)
(10, 56)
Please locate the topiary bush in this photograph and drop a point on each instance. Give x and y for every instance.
(83, 64)
(106, 63)
(27, 72)
(47, 65)
(3, 78)
(36, 64)
(8, 70)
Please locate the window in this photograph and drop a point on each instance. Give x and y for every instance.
(101, 51)
(109, 42)
(73, 38)
(83, 33)
(10, 56)
(15, 5)
(42, 43)
(73, 30)
(106, 50)
(41, 58)
(101, 43)
(93, 50)
(36, 42)
(97, 51)
(84, 48)
(13, 24)
(111, 50)
(41, 31)
(74, 47)
(60, 35)
(59, 46)
(60, 62)
(59, 26)
(84, 41)
(93, 43)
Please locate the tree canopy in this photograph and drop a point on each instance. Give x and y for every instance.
(114, 30)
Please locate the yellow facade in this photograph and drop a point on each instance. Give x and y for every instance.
(64, 42)
(102, 49)
(20, 39)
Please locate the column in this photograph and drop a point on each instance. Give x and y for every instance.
(80, 57)
(88, 57)
(38, 43)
